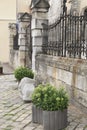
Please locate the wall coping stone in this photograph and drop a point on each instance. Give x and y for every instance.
(78, 66)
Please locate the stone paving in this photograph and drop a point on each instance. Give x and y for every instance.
(16, 115)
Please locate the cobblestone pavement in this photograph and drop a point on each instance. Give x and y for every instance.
(16, 115)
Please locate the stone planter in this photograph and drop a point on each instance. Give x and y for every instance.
(26, 88)
(37, 115)
(54, 120)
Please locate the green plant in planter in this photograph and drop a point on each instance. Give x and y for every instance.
(37, 96)
(54, 104)
(48, 98)
(54, 99)
(37, 99)
(22, 72)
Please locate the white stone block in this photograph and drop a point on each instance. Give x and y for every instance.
(37, 41)
(37, 23)
(81, 82)
(81, 97)
(49, 71)
(37, 32)
(26, 88)
(64, 76)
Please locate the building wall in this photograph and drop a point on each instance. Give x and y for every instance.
(68, 72)
(8, 14)
(83, 5)
(23, 5)
(8, 9)
(77, 6)
(4, 40)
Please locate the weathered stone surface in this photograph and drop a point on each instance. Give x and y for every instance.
(39, 16)
(24, 42)
(39, 4)
(26, 88)
(70, 73)
(13, 54)
(14, 58)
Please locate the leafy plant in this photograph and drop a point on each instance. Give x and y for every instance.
(49, 98)
(22, 72)
(37, 96)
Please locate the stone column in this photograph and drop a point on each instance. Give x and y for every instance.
(39, 10)
(24, 20)
(12, 33)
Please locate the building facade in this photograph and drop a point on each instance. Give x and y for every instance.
(8, 14)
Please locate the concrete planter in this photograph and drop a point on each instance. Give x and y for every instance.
(37, 115)
(26, 88)
(54, 120)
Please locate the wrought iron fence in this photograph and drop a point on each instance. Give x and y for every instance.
(66, 37)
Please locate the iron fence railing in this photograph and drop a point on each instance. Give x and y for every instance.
(67, 37)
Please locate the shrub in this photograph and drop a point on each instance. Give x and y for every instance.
(49, 98)
(37, 96)
(22, 72)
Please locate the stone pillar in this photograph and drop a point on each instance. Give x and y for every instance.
(39, 10)
(24, 20)
(12, 33)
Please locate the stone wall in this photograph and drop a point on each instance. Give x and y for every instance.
(14, 58)
(13, 54)
(68, 72)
